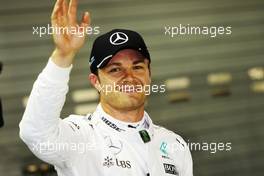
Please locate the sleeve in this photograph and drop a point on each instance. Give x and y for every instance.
(46, 135)
(188, 162)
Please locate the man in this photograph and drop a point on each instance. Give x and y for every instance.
(119, 137)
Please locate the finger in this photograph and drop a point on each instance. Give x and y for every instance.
(86, 20)
(65, 8)
(65, 12)
(57, 8)
(57, 12)
(72, 12)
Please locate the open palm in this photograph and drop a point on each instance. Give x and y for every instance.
(64, 16)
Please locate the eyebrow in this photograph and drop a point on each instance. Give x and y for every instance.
(114, 63)
(119, 64)
(138, 61)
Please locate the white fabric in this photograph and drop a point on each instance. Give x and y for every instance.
(96, 144)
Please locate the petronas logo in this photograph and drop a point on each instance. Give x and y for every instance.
(163, 148)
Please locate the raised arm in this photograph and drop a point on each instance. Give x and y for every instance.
(41, 127)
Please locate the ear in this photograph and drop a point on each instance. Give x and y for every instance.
(94, 80)
(149, 68)
(150, 74)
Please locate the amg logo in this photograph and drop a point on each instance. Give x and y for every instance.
(170, 169)
(112, 125)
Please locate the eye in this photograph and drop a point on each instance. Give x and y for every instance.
(113, 70)
(138, 67)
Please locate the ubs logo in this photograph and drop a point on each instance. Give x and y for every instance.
(109, 162)
(123, 164)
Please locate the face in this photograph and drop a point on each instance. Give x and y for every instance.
(121, 82)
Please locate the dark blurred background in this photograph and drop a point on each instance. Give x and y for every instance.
(215, 86)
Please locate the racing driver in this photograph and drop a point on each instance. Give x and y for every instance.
(118, 138)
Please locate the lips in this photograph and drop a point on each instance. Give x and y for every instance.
(128, 91)
(128, 88)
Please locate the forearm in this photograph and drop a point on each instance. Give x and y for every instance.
(41, 121)
(42, 114)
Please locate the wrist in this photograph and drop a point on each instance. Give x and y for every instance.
(61, 58)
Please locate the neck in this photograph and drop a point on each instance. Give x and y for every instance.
(131, 115)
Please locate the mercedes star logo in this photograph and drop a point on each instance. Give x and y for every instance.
(115, 145)
(118, 38)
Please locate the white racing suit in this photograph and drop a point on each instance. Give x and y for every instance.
(96, 144)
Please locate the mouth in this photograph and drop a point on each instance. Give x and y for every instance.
(128, 89)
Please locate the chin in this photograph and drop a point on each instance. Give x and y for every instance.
(130, 101)
(125, 101)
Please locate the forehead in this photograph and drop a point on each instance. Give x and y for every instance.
(126, 55)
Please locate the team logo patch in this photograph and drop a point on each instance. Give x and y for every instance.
(118, 38)
(115, 146)
(170, 169)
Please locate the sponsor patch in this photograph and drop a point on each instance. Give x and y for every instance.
(170, 169)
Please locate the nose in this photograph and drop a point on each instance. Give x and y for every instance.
(129, 75)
